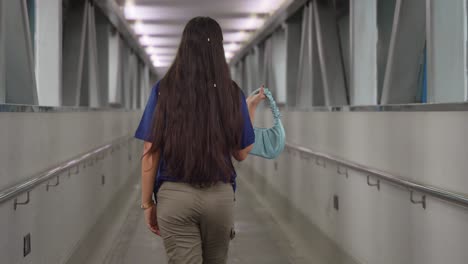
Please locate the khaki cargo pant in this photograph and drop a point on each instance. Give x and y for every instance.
(196, 224)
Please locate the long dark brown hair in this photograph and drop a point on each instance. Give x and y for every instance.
(197, 123)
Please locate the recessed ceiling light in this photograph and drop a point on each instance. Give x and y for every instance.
(137, 27)
(232, 47)
(161, 64)
(166, 57)
(129, 6)
(150, 50)
(254, 22)
(228, 54)
(242, 36)
(144, 40)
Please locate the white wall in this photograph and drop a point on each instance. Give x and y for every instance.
(374, 226)
(59, 218)
(32, 142)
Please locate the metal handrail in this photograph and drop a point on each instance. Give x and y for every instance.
(18, 108)
(47, 175)
(456, 198)
(417, 107)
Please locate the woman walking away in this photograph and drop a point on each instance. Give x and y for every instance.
(196, 120)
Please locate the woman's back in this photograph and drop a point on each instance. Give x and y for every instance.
(179, 147)
(198, 120)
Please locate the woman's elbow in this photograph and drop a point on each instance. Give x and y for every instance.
(244, 153)
(241, 156)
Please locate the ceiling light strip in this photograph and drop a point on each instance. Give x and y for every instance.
(117, 19)
(273, 22)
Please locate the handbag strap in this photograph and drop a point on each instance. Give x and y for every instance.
(271, 102)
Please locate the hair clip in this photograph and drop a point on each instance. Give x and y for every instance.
(208, 39)
(214, 85)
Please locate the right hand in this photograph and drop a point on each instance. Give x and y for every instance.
(151, 219)
(254, 100)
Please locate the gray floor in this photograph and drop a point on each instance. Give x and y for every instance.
(259, 238)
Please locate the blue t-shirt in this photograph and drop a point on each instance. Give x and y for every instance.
(144, 133)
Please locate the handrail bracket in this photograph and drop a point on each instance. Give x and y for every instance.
(340, 172)
(319, 163)
(57, 182)
(422, 201)
(377, 184)
(15, 206)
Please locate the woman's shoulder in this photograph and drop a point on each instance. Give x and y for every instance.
(235, 85)
(153, 96)
(156, 86)
(155, 91)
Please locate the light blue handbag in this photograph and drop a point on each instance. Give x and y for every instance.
(269, 142)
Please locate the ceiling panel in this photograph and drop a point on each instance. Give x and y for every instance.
(163, 29)
(153, 39)
(176, 27)
(160, 23)
(208, 7)
(229, 26)
(176, 13)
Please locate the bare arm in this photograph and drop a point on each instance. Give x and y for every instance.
(252, 103)
(149, 165)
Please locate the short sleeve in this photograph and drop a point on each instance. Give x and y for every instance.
(143, 131)
(248, 135)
